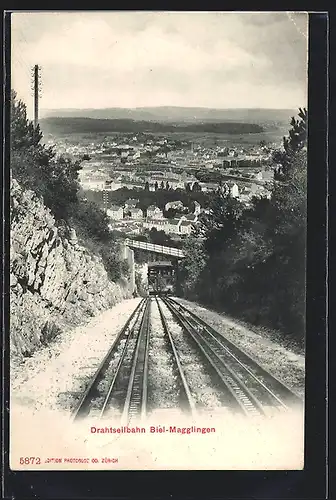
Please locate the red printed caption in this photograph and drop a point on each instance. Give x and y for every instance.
(75, 460)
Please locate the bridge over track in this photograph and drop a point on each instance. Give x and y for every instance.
(151, 247)
(129, 246)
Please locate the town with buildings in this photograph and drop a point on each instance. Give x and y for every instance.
(144, 168)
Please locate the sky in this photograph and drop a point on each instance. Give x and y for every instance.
(135, 59)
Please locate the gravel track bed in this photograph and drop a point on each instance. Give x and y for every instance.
(163, 382)
(200, 383)
(55, 377)
(285, 364)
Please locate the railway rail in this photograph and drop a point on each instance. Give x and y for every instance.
(241, 397)
(120, 386)
(187, 400)
(265, 387)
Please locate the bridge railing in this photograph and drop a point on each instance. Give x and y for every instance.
(153, 247)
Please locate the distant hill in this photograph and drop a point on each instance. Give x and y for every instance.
(68, 125)
(178, 114)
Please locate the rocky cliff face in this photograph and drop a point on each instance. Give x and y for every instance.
(54, 282)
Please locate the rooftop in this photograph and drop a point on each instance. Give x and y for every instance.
(190, 217)
(114, 207)
(160, 264)
(157, 221)
(174, 222)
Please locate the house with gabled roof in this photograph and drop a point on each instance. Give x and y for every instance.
(115, 212)
(135, 213)
(185, 227)
(154, 212)
(189, 217)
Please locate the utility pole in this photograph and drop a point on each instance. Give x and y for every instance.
(36, 87)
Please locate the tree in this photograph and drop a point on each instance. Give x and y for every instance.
(62, 186)
(115, 267)
(253, 259)
(92, 220)
(196, 187)
(192, 267)
(293, 144)
(36, 167)
(224, 215)
(165, 150)
(171, 213)
(23, 134)
(158, 237)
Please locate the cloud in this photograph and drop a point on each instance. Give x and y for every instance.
(96, 44)
(185, 58)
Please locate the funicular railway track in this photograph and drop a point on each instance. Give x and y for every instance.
(119, 387)
(253, 387)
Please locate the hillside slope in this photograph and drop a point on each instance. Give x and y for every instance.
(54, 282)
(177, 113)
(90, 125)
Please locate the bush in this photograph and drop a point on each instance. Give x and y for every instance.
(116, 269)
(91, 220)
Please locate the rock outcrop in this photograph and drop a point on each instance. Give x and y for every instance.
(54, 281)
